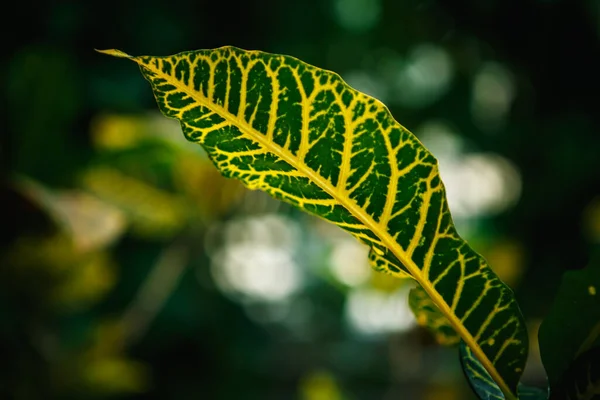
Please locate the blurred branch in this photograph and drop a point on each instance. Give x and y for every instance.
(155, 291)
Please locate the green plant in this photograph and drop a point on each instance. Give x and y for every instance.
(304, 136)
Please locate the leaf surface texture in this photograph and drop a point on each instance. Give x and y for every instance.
(304, 136)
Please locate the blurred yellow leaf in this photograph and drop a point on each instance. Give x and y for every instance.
(56, 270)
(52, 255)
(91, 223)
(591, 220)
(115, 375)
(123, 131)
(117, 132)
(107, 369)
(152, 212)
(100, 365)
(108, 338)
(319, 385)
(87, 282)
(443, 392)
(506, 258)
(209, 191)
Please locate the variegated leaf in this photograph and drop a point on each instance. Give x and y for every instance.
(484, 386)
(430, 316)
(304, 136)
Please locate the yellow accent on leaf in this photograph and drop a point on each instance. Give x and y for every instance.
(114, 53)
(251, 127)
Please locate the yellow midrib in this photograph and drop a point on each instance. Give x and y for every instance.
(357, 212)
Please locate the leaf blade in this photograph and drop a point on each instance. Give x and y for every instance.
(581, 381)
(429, 315)
(482, 383)
(572, 326)
(304, 136)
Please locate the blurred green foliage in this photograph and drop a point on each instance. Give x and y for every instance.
(131, 269)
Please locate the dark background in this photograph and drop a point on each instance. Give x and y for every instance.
(88, 216)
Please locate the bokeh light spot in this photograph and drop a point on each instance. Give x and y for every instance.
(373, 312)
(357, 15)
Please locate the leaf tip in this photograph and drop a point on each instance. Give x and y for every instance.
(114, 53)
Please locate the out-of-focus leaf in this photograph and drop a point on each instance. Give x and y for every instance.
(428, 315)
(117, 132)
(482, 383)
(87, 282)
(115, 375)
(506, 258)
(448, 391)
(38, 264)
(572, 326)
(591, 220)
(304, 136)
(100, 367)
(68, 269)
(92, 224)
(57, 272)
(211, 194)
(320, 385)
(150, 211)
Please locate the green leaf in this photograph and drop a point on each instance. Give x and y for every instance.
(304, 136)
(482, 383)
(572, 326)
(532, 393)
(430, 316)
(582, 380)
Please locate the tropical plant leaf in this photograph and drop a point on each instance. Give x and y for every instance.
(430, 316)
(482, 383)
(380, 263)
(304, 136)
(582, 380)
(572, 326)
